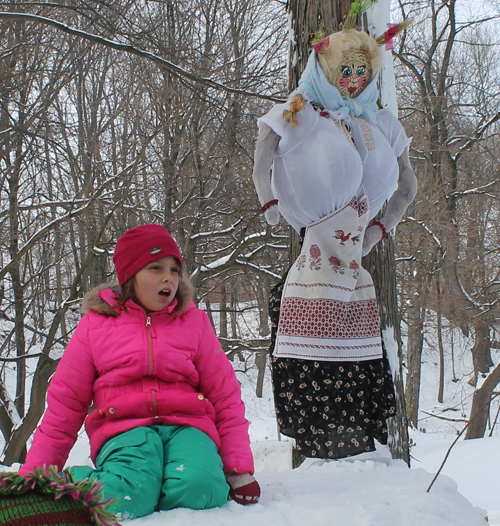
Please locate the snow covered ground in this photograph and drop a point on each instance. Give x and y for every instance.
(370, 489)
(473, 464)
(367, 490)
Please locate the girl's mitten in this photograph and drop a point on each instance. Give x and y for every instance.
(244, 488)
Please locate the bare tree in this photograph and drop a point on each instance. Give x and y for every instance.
(450, 236)
(115, 114)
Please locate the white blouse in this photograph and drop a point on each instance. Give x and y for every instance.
(317, 168)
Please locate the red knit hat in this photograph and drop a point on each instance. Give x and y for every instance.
(142, 245)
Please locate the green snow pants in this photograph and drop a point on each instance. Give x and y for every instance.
(158, 468)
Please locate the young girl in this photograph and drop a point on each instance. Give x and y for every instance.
(167, 428)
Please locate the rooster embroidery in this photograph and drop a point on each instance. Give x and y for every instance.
(339, 234)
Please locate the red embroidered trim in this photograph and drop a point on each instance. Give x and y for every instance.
(329, 319)
(384, 231)
(268, 204)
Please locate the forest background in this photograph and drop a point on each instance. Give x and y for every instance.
(115, 114)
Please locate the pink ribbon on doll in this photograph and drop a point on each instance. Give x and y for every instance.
(389, 35)
(325, 43)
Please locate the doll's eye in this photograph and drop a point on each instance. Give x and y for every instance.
(361, 71)
(346, 71)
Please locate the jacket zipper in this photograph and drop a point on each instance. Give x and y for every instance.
(150, 339)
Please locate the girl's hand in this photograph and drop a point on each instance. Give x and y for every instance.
(244, 488)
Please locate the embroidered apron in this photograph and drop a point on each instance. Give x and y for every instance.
(329, 310)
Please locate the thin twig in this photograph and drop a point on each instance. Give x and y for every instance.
(447, 418)
(494, 422)
(23, 357)
(456, 440)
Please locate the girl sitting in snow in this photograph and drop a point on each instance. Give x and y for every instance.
(168, 428)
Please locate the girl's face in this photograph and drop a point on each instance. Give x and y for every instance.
(355, 73)
(156, 284)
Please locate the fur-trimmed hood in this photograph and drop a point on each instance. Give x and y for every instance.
(92, 300)
(101, 302)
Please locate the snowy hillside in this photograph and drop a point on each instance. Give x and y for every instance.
(370, 489)
(367, 490)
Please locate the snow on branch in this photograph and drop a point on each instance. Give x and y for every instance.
(478, 134)
(427, 229)
(11, 409)
(236, 258)
(470, 299)
(53, 224)
(217, 232)
(258, 269)
(480, 190)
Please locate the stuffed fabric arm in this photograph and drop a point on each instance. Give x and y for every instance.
(397, 204)
(267, 142)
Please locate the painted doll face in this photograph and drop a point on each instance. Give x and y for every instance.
(355, 73)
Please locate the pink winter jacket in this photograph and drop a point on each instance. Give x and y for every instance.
(142, 370)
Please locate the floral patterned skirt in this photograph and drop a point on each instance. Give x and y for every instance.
(331, 409)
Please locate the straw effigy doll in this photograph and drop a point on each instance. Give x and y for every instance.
(336, 158)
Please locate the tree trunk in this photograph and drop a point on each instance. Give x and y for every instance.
(440, 396)
(260, 362)
(223, 325)
(306, 17)
(416, 321)
(481, 405)
(481, 354)
(380, 263)
(414, 362)
(16, 447)
(262, 303)
(232, 314)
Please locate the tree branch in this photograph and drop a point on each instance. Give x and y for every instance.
(164, 64)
